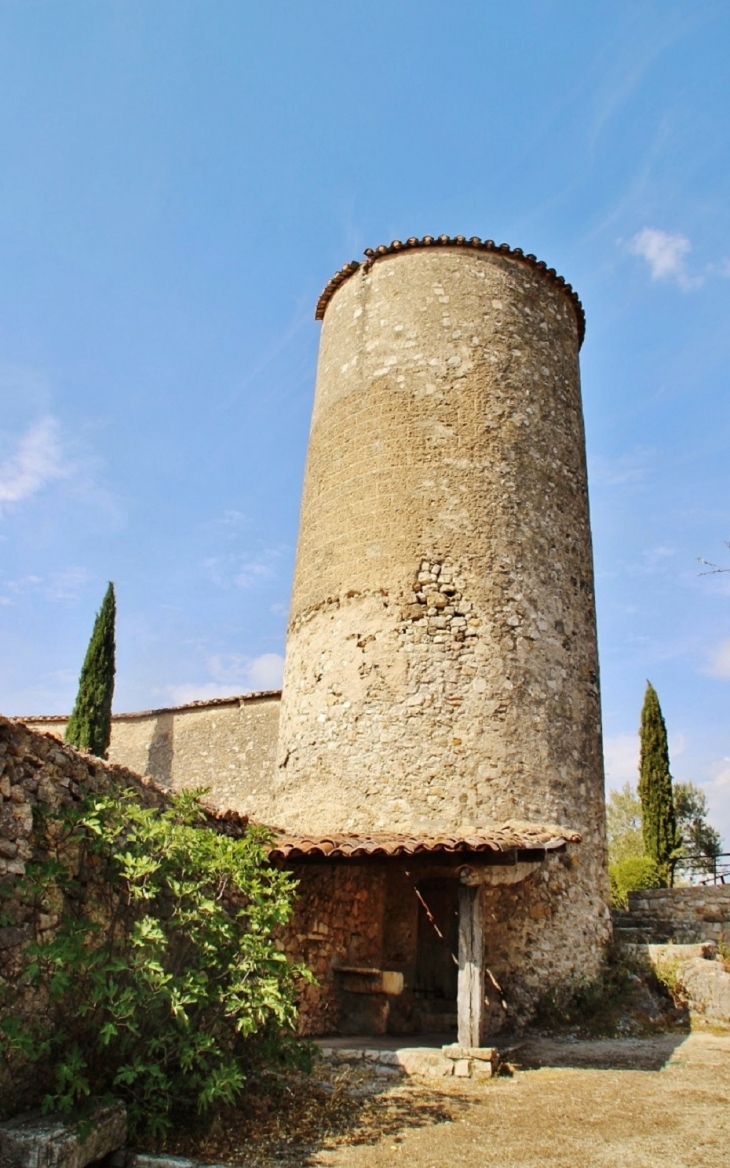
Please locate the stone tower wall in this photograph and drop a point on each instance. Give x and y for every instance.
(441, 668)
(441, 660)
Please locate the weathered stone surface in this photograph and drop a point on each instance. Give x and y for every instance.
(486, 1054)
(695, 975)
(48, 1141)
(227, 745)
(441, 667)
(705, 985)
(424, 1061)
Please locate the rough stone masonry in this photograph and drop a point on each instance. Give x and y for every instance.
(441, 669)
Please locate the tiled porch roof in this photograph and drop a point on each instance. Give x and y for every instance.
(507, 837)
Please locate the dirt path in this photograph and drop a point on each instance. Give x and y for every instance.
(633, 1103)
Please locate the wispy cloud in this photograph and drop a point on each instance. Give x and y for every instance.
(621, 759)
(627, 470)
(666, 255)
(66, 585)
(232, 673)
(718, 797)
(621, 756)
(253, 572)
(719, 662)
(230, 568)
(36, 461)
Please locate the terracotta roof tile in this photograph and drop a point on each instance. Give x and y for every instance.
(503, 249)
(512, 836)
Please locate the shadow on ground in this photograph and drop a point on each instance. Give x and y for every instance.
(601, 1054)
(290, 1121)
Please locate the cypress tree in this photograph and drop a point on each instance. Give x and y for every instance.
(90, 724)
(655, 786)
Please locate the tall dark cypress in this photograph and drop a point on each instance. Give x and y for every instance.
(90, 724)
(655, 786)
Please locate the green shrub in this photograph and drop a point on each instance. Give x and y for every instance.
(631, 875)
(161, 981)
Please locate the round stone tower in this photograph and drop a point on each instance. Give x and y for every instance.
(441, 669)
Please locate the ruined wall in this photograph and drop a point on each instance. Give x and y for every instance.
(227, 745)
(37, 771)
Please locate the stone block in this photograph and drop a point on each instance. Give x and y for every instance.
(485, 1054)
(424, 1061)
(141, 1160)
(462, 1068)
(706, 987)
(35, 1140)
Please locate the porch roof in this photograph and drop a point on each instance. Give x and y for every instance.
(507, 837)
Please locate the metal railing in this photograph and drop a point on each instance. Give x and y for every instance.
(699, 869)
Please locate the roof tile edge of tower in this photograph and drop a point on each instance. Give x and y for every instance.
(476, 244)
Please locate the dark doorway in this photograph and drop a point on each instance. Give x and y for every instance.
(436, 975)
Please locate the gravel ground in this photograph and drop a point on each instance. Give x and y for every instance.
(606, 1103)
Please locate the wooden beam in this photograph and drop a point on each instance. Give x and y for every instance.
(470, 993)
(491, 874)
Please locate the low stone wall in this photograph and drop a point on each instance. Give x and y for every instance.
(37, 769)
(683, 915)
(37, 772)
(227, 745)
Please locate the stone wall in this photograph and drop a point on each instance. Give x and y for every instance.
(441, 665)
(38, 770)
(441, 669)
(227, 745)
(338, 921)
(684, 915)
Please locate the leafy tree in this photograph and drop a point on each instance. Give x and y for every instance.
(631, 875)
(90, 724)
(698, 838)
(623, 822)
(161, 981)
(655, 787)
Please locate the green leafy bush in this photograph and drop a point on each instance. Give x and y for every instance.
(631, 875)
(159, 978)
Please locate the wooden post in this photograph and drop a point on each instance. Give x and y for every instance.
(470, 994)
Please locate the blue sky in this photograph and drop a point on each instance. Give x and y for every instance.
(178, 180)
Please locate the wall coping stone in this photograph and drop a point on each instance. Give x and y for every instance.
(204, 704)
